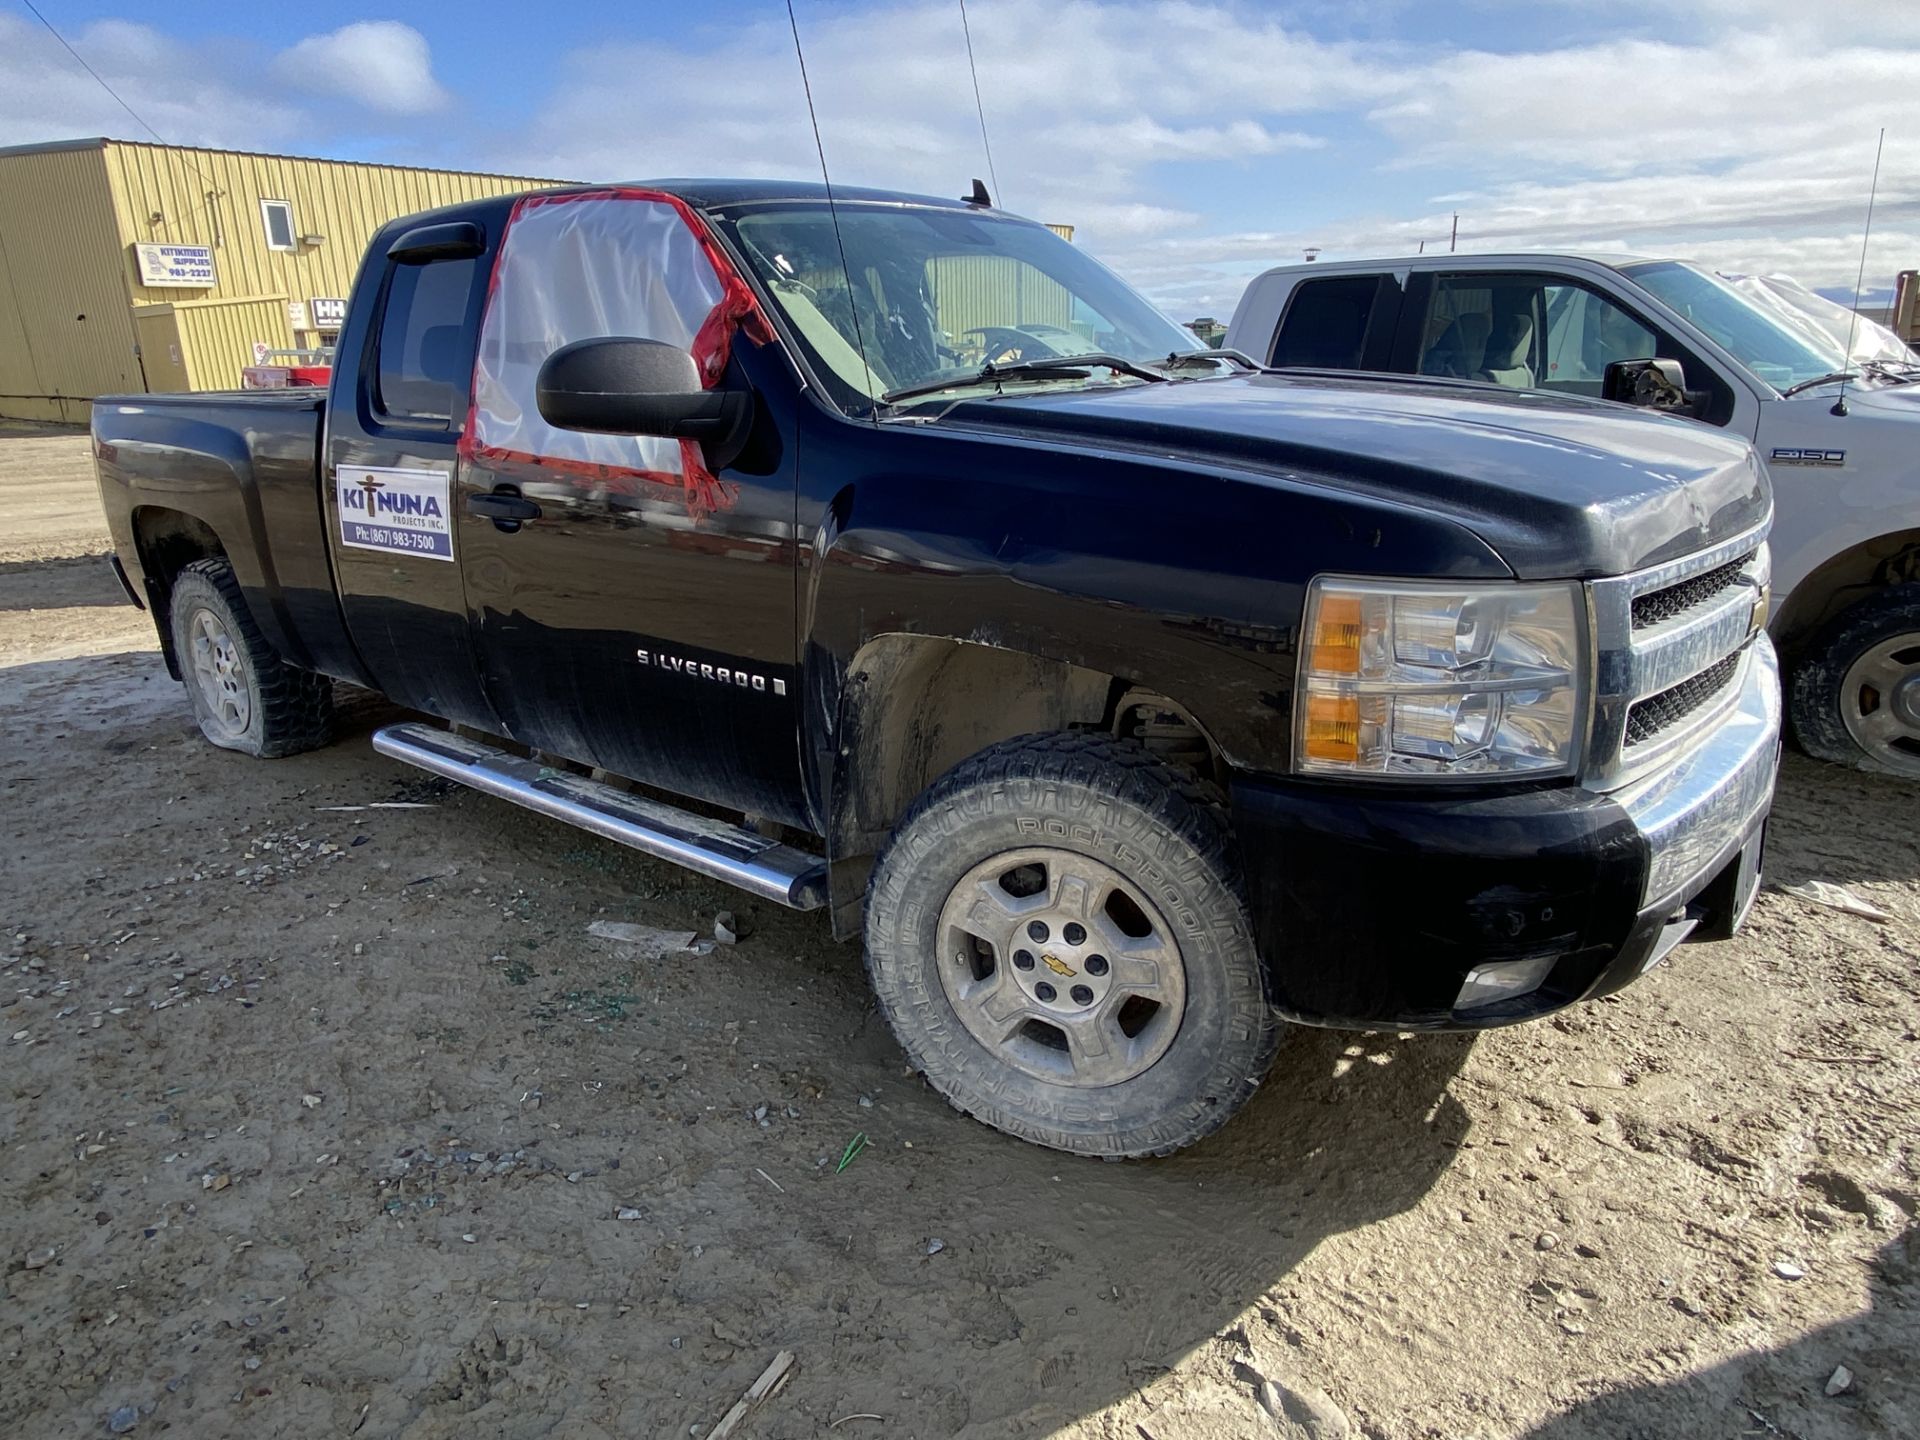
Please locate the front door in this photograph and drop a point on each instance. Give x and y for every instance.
(631, 609)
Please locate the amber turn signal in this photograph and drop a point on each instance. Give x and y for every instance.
(1336, 635)
(1333, 728)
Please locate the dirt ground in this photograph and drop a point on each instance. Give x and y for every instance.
(328, 1122)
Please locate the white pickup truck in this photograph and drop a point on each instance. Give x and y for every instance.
(1846, 472)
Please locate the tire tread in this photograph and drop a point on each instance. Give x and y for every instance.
(1124, 770)
(296, 706)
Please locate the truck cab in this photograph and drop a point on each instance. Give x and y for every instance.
(889, 556)
(1840, 435)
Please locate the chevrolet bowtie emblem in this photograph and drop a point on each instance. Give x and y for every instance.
(1058, 966)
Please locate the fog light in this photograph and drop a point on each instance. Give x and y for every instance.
(1507, 980)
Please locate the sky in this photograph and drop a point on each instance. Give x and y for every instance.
(1191, 144)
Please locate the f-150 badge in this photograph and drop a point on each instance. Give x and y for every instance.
(403, 512)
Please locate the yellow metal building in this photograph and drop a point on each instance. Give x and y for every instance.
(128, 267)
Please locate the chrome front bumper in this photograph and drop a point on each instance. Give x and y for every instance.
(1697, 813)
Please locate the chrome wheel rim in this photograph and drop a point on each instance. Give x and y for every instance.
(219, 673)
(1880, 703)
(1061, 967)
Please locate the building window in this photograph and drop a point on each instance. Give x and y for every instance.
(277, 216)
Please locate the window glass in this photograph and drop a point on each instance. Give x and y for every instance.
(932, 295)
(1482, 327)
(1779, 355)
(1326, 323)
(277, 215)
(423, 356)
(1586, 332)
(579, 268)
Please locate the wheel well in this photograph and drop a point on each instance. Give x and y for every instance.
(914, 706)
(1846, 578)
(167, 541)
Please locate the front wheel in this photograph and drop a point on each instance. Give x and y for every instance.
(1056, 934)
(1856, 692)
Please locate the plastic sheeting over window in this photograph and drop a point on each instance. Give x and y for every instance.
(1815, 315)
(612, 262)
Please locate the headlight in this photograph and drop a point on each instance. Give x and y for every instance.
(1412, 679)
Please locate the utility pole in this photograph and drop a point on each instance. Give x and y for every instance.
(1453, 242)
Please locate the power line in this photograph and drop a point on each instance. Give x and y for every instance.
(979, 109)
(91, 71)
(81, 60)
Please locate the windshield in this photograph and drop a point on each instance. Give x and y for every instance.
(1826, 319)
(940, 294)
(1777, 353)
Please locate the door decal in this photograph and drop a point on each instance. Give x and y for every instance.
(403, 512)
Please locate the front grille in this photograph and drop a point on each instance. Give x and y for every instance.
(1672, 643)
(1650, 716)
(1658, 606)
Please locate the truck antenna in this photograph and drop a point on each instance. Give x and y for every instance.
(833, 213)
(1840, 404)
(979, 109)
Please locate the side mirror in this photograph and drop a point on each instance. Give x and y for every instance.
(1651, 384)
(620, 385)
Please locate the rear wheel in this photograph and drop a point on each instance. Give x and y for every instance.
(244, 696)
(1057, 936)
(1856, 692)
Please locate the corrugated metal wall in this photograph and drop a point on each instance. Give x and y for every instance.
(215, 338)
(974, 290)
(178, 196)
(65, 334)
(70, 216)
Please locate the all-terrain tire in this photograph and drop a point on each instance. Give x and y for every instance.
(1831, 689)
(244, 696)
(1104, 807)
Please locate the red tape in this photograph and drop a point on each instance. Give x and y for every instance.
(737, 312)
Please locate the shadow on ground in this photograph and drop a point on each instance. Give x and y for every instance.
(1822, 813)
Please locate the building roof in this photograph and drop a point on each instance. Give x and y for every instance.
(100, 142)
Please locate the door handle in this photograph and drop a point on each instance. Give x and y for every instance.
(505, 506)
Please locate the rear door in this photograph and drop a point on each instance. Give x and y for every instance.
(1340, 322)
(391, 467)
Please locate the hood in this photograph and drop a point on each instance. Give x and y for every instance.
(1560, 487)
(1897, 402)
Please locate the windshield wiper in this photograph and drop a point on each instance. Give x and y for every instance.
(1060, 367)
(1187, 359)
(1898, 372)
(1820, 380)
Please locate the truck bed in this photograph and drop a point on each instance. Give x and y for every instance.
(245, 464)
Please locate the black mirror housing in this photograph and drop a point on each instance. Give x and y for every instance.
(623, 385)
(1650, 384)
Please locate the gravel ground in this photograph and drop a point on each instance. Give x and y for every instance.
(321, 1121)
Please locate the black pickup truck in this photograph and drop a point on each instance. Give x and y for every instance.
(889, 555)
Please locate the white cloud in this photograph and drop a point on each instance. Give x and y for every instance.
(380, 63)
(190, 94)
(1173, 133)
(1081, 100)
(1743, 135)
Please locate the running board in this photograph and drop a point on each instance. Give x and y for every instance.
(714, 848)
